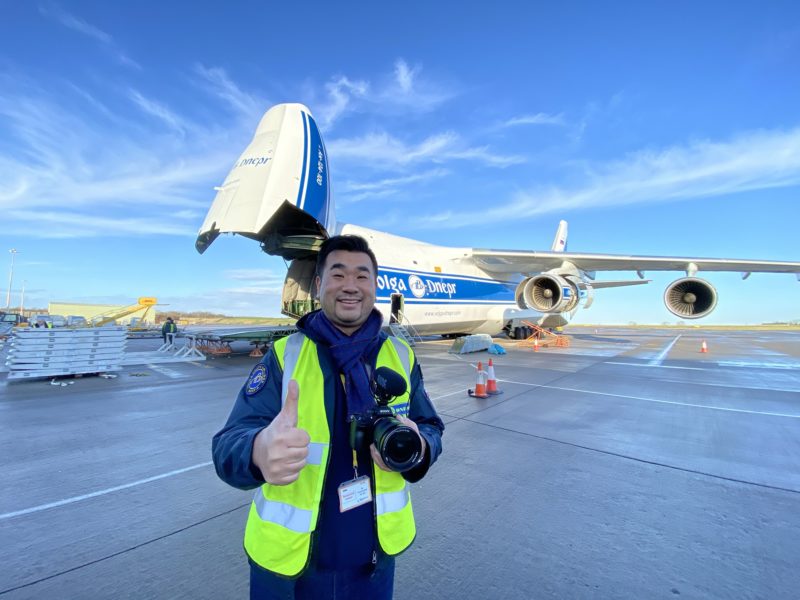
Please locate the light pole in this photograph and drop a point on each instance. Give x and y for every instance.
(22, 299)
(10, 278)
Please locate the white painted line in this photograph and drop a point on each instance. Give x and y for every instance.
(459, 390)
(41, 507)
(650, 364)
(759, 365)
(740, 364)
(660, 358)
(172, 374)
(707, 383)
(739, 410)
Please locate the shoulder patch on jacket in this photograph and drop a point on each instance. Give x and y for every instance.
(257, 379)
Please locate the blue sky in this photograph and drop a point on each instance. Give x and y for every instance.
(653, 128)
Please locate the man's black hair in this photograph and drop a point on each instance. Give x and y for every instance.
(348, 243)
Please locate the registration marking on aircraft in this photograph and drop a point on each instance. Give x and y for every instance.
(660, 358)
(41, 507)
(594, 392)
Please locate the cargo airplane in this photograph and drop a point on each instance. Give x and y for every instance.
(278, 193)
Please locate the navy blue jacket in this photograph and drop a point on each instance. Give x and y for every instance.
(342, 540)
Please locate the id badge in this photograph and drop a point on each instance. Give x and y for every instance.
(354, 493)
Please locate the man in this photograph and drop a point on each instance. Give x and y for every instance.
(327, 520)
(167, 328)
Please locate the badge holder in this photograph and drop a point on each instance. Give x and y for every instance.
(356, 492)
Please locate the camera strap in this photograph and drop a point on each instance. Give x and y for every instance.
(355, 465)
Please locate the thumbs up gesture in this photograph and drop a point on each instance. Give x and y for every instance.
(280, 450)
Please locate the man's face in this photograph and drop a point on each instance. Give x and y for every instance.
(347, 289)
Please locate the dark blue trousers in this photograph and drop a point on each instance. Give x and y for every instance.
(374, 583)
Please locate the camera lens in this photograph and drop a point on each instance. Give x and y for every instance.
(398, 445)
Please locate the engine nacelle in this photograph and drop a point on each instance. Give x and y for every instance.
(690, 298)
(548, 293)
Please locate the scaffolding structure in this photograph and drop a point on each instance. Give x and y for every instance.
(542, 338)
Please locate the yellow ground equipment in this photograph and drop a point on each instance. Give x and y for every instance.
(144, 304)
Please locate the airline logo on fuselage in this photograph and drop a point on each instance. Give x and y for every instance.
(253, 162)
(418, 286)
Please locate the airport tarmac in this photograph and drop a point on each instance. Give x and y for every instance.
(629, 465)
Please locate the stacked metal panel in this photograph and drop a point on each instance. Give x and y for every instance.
(57, 352)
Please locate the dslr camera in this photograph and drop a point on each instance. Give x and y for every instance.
(399, 445)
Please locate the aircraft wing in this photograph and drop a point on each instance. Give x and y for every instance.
(530, 263)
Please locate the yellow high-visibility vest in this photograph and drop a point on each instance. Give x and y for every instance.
(282, 517)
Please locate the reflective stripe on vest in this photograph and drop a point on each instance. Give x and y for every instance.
(293, 346)
(286, 515)
(282, 518)
(392, 501)
(404, 353)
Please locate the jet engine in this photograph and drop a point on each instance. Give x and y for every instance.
(690, 298)
(547, 293)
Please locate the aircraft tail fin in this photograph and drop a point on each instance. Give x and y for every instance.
(278, 191)
(560, 241)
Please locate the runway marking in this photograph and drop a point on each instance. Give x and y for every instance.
(650, 364)
(172, 374)
(723, 363)
(758, 365)
(707, 383)
(660, 358)
(458, 391)
(117, 488)
(739, 410)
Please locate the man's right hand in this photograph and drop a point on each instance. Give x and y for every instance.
(280, 450)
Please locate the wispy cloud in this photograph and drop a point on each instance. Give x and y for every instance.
(341, 92)
(257, 276)
(404, 75)
(158, 110)
(383, 151)
(404, 91)
(55, 12)
(91, 173)
(252, 292)
(407, 89)
(65, 224)
(218, 83)
(535, 119)
(245, 302)
(750, 161)
(356, 191)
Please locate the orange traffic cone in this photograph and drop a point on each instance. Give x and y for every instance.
(536, 344)
(703, 347)
(491, 381)
(480, 385)
(257, 352)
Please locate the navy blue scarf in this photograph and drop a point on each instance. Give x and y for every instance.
(348, 352)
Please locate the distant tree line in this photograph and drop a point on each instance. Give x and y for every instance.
(178, 315)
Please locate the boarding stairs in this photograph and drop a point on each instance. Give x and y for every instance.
(401, 331)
